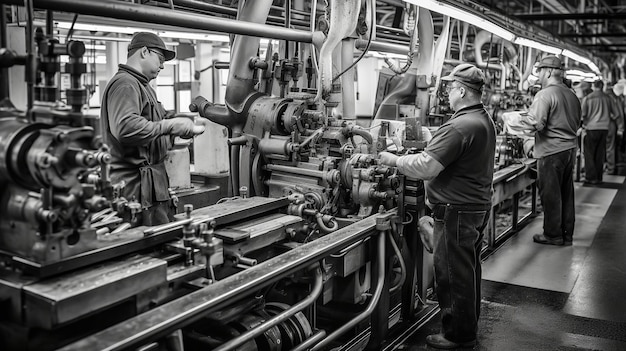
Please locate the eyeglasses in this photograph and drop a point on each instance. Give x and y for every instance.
(450, 87)
(159, 55)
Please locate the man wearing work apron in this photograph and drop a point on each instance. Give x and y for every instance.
(134, 126)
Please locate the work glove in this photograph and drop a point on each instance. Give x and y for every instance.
(182, 127)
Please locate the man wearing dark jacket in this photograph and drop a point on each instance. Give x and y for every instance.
(133, 125)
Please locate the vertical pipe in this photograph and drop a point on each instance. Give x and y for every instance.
(31, 63)
(347, 80)
(4, 72)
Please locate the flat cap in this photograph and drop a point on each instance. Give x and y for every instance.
(550, 61)
(151, 41)
(467, 74)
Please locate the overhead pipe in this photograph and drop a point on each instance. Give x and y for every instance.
(155, 15)
(484, 37)
(425, 64)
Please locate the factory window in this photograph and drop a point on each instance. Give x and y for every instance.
(165, 87)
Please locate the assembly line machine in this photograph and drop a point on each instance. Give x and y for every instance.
(316, 246)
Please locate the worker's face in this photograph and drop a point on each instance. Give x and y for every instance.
(544, 75)
(456, 93)
(153, 62)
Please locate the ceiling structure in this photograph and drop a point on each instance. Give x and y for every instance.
(596, 26)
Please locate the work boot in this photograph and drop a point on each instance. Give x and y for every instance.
(542, 239)
(439, 341)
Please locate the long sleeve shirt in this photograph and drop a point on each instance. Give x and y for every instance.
(618, 116)
(597, 110)
(130, 119)
(556, 111)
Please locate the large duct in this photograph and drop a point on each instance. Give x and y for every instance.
(421, 66)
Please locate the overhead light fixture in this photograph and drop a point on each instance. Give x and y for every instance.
(464, 16)
(576, 57)
(537, 45)
(101, 28)
(195, 36)
(476, 20)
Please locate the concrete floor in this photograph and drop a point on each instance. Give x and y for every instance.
(540, 297)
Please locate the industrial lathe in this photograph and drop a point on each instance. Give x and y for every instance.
(315, 247)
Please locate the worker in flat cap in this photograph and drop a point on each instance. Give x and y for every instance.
(458, 163)
(554, 118)
(134, 126)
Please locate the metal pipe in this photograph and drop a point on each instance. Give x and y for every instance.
(296, 170)
(279, 318)
(4, 72)
(163, 320)
(310, 341)
(380, 282)
(167, 226)
(348, 93)
(149, 14)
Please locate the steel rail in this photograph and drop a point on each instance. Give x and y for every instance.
(279, 318)
(163, 320)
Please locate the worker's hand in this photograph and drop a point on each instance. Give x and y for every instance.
(579, 131)
(620, 133)
(182, 127)
(387, 158)
(426, 228)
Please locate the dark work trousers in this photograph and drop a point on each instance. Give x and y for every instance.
(594, 152)
(556, 189)
(458, 236)
(611, 147)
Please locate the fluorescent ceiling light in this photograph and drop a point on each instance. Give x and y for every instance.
(195, 36)
(101, 28)
(575, 72)
(581, 59)
(536, 45)
(464, 16)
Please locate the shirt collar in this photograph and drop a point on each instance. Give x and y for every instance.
(140, 76)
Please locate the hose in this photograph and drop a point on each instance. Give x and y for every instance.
(396, 249)
(323, 227)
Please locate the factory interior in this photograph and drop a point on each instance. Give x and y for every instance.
(289, 233)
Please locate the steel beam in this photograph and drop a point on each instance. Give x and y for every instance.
(591, 35)
(568, 16)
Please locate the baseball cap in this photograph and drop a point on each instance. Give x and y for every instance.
(550, 61)
(151, 41)
(467, 74)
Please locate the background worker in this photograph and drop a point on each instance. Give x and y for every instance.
(133, 125)
(598, 109)
(616, 128)
(555, 118)
(459, 162)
